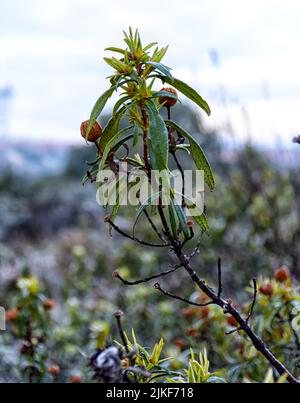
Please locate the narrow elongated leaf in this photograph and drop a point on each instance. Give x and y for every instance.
(148, 202)
(182, 220)
(162, 68)
(136, 134)
(117, 50)
(197, 154)
(158, 139)
(111, 128)
(188, 91)
(98, 108)
(200, 217)
(119, 103)
(150, 46)
(172, 216)
(110, 145)
(164, 94)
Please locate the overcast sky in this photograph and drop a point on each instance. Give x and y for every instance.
(51, 53)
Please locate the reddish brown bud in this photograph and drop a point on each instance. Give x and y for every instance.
(180, 343)
(49, 304)
(189, 313)
(192, 332)
(115, 274)
(75, 379)
(12, 315)
(204, 312)
(190, 224)
(94, 134)
(282, 274)
(267, 289)
(168, 102)
(232, 321)
(54, 370)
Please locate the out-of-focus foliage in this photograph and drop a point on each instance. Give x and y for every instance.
(54, 229)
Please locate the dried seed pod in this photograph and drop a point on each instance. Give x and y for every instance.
(168, 102)
(94, 134)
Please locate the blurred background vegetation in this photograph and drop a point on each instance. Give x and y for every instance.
(52, 228)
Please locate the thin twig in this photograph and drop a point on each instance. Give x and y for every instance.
(145, 280)
(220, 282)
(118, 315)
(250, 314)
(121, 232)
(153, 226)
(167, 294)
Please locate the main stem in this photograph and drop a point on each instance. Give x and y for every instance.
(229, 309)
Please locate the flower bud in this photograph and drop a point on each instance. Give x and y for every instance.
(54, 370)
(94, 134)
(49, 304)
(75, 379)
(232, 321)
(282, 274)
(12, 315)
(267, 289)
(168, 102)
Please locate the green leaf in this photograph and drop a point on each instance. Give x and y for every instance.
(182, 220)
(200, 218)
(162, 68)
(98, 108)
(164, 94)
(158, 139)
(110, 145)
(119, 103)
(136, 134)
(111, 128)
(149, 201)
(188, 92)
(117, 50)
(197, 154)
(172, 216)
(150, 46)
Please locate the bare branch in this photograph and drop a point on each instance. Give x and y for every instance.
(141, 242)
(167, 294)
(146, 280)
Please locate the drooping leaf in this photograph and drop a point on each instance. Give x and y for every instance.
(150, 201)
(119, 103)
(158, 139)
(161, 68)
(164, 94)
(199, 217)
(136, 134)
(110, 145)
(98, 108)
(197, 154)
(182, 220)
(111, 128)
(189, 92)
(172, 217)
